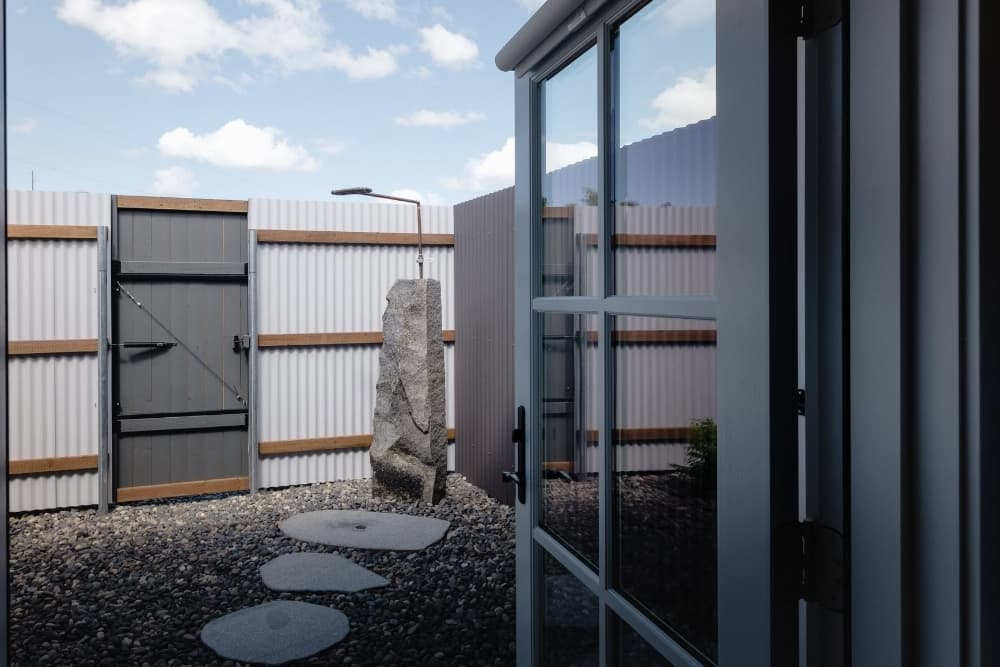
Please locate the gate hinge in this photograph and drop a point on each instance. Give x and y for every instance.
(822, 560)
(241, 342)
(815, 16)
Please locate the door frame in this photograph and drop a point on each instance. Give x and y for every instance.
(758, 558)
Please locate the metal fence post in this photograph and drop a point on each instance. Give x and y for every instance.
(253, 460)
(103, 358)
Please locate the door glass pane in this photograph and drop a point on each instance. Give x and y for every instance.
(569, 365)
(663, 69)
(570, 176)
(664, 497)
(630, 649)
(570, 631)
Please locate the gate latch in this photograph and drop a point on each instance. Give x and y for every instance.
(241, 342)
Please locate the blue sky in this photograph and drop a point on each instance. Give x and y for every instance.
(283, 98)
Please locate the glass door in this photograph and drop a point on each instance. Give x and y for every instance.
(622, 549)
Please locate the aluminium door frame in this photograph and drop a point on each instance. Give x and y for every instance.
(758, 510)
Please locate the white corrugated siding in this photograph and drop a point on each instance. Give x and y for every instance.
(316, 392)
(58, 208)
(41, 492)
(51, 290)
(312, 288)
(52, 295)
(360, 215)
(53, 406)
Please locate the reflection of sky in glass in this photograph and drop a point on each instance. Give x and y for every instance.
(570, 112)
(667, 46)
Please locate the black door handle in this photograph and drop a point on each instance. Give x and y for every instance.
(518, 476)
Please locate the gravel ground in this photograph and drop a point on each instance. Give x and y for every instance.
(137, 585)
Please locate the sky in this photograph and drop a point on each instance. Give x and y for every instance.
(291, 98)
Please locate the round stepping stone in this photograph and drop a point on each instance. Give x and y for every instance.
(318, 572)
(274, 633)
(357, 529)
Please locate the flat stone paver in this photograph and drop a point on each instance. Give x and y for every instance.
(358, 529)
(274, 633)
(318, 572)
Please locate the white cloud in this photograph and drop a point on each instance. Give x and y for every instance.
(447, 48)
(558, 155)
(329, 146)
(531, 4)
(680, 14)
(426, 118)
(442, 14)
(174, 181)
(495, 170)
(687, 101)
(384, 10)
(425, 198)
(240, 145)
(26, 126)
(422, 72)
(487, 171)
(237, 85)
(185, 40)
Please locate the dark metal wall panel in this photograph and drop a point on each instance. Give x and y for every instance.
(484, 361)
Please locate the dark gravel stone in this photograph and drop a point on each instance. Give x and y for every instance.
(156, 573)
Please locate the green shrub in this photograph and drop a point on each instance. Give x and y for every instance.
(702, 456)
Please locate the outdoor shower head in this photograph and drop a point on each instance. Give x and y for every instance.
(351, 191)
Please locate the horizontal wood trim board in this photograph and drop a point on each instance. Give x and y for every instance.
(663, 240)
(557, 212)
(47, 232)
(351, 238)
(653, 434)
(662, 336)
(313, 445)
(656, 240)
(332, 339)
(25, 348)
(183, 204)
(53, 464)
(176, 489)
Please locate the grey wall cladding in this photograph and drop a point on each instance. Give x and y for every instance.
(484, 350)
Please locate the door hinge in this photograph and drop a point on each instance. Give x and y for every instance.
(800, 401)
(241, 342)
(822, 566)
(815, 16)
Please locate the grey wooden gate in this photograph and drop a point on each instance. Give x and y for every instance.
(181, 370)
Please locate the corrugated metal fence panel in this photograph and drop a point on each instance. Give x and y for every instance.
(305, 288)
(40, 492)
(677, 167)
(362, 215)
(52, 295)
(316, 392)
(53, 406)
(51, 290)
(484, 316)
(58, 208)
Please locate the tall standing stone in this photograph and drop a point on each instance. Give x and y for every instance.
(409, 454)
